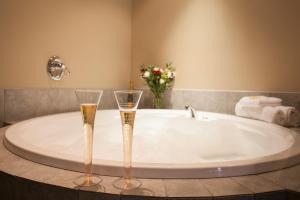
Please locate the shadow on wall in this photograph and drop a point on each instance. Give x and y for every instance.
(153, 21)
(162, 16)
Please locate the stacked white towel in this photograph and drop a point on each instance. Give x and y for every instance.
(249, 111)
(252, 106)
(291, 116)
(260, 101)
(268, 109)
(272, 115)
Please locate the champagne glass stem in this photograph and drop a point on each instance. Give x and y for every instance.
(127, 152)
(88, 131)
(127, 129)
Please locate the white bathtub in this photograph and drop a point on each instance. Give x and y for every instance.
(167, 144)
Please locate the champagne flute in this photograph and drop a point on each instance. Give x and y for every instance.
(128, 101)
(89, 101)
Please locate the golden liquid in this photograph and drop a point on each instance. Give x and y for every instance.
(127, 118)
(88, 112)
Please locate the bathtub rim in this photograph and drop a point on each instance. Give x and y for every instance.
(284, 159)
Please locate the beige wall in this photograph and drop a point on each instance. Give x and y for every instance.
(221, 44)
(215, 44)
(93, 37)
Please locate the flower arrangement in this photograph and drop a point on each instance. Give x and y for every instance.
(158, 80)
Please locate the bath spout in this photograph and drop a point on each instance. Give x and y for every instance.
(193, 111)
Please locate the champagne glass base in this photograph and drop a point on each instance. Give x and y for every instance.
(87, 180)
(127, 184)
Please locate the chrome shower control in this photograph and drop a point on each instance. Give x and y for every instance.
(56, 68)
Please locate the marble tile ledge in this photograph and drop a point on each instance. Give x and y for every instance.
(21, 104)
(244, 187)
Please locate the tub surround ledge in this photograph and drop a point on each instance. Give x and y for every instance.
(28, 177)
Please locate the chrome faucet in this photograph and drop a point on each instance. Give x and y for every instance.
(193, 111)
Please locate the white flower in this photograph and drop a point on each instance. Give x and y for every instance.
(161, 81)
(156, 69)
(146, 74)
(171, 74)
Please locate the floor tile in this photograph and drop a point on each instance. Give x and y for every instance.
(288, 178)
(224, 187)
(185, 188)
(257, 184)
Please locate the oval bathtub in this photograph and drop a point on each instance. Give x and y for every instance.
(167, 144)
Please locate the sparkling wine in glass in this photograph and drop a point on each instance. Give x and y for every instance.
(89, 101)
(128, 101)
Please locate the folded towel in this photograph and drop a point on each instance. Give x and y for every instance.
(260, 101)
(267, 109)
(291, 115)
(249, 111)
(273, 115)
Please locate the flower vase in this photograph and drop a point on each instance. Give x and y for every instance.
(158, 101)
